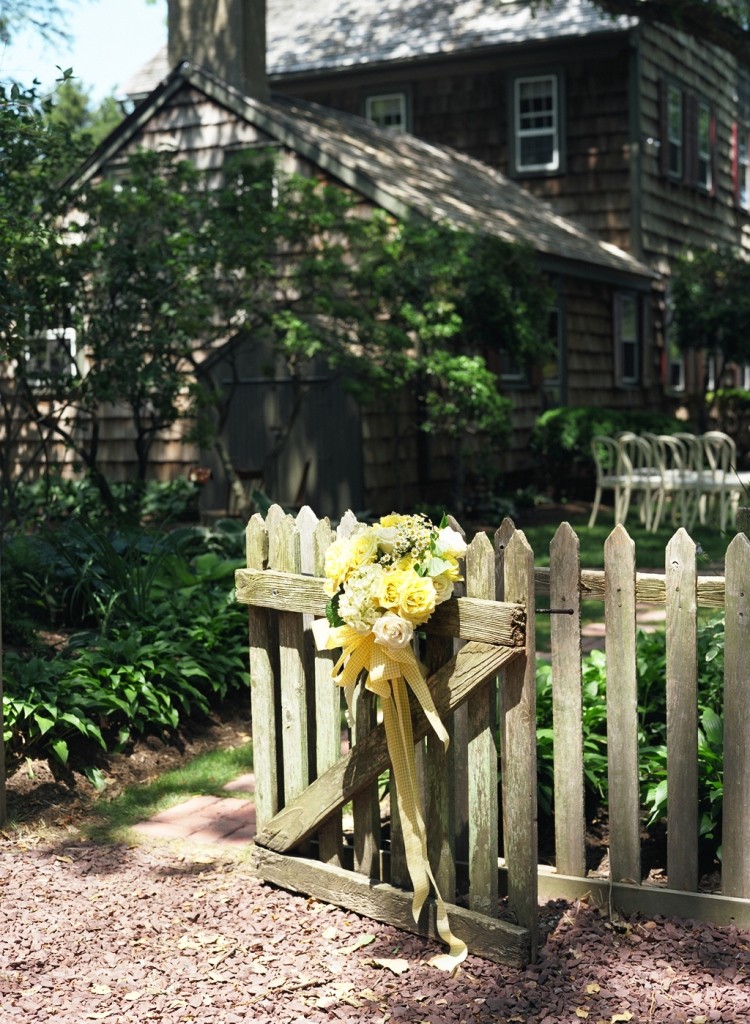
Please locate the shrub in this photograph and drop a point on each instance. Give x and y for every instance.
(731, 407)
(52, 499)
(165, 641)
(561, 441)
(651, 670)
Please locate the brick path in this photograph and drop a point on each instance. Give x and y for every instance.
(228, 821)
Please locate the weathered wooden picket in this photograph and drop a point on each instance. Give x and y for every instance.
(681, 591)
(480, 654)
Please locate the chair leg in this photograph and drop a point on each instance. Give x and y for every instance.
(622, 504)
(657, 512)
(595, 509)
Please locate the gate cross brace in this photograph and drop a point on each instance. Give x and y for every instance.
(451, 685)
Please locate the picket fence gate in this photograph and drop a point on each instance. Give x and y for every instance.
(324, 824)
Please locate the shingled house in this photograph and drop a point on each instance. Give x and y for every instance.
(217, 98)
(636, 131)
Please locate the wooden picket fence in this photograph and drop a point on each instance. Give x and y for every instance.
(324, 822)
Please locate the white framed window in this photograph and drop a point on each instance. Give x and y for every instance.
(55, 356)
(627, 330)
(536, 124)
(675, 119)
(705, 134)
(387, 110)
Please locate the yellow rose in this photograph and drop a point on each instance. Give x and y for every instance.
(416, 599)
(338, 564)
(363, 547)
(390, 587)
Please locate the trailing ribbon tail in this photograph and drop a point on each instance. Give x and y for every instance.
(388, 672)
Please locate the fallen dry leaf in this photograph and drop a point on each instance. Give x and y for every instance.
(592, 988)
(580, 1012)
(363, 940)
(101, 990)
(395, 964)
(625, 1015)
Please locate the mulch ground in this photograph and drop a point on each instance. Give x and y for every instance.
(179, 933)
(169, 934)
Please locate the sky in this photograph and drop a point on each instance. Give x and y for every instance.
(109, 41)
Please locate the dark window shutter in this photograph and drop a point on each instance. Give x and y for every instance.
(714, 160)
(690, 116)
(663, 128)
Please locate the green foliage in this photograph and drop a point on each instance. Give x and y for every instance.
(651, 666)
(731, 411)
(651, 671)
(70, 107)
(167, 641)
(432, 302)
(561, 440)
(711, 295)
(130, 683)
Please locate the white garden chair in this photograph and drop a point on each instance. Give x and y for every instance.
(614, 472)
(695, 468)
(645, 480)
(722, 484)
(678, 483)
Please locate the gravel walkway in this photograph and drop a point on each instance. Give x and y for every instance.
(167, 933)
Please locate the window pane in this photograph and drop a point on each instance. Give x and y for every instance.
(628, 338)
(628, 320)
(387, 111)
(629, 361)
(537, 151)
(536, 120)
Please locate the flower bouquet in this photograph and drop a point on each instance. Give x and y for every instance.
(384, 581)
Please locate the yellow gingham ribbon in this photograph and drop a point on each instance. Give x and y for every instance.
(388, 672)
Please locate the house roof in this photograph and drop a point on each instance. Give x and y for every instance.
(316, 35)
(399, 173)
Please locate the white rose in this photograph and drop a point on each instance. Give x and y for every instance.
(392, 631)
(450, 542)
(387, 537)
(443, 585)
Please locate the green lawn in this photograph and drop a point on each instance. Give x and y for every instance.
(650, 548)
